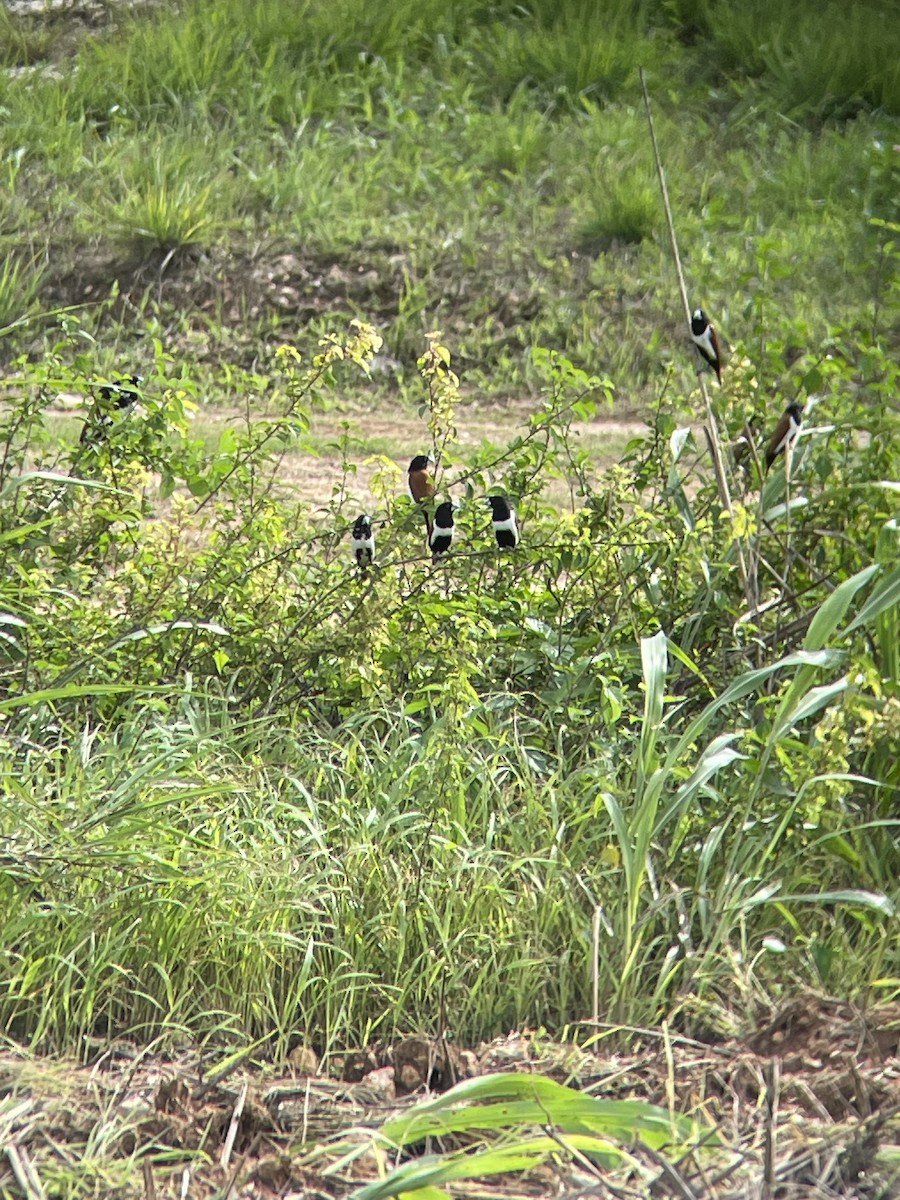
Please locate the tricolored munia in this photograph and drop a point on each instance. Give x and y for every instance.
(421, 485)
(785, 432)
(705, 338)
(441, 537)
(503, 522)
(112, 397)
(362, 542)
(742, 445)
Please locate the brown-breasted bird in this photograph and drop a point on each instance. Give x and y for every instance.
(112, 397)
(421, 485)
(362, 542)
(503, 522)
(785, 432)
(441, 537)
(705, 338)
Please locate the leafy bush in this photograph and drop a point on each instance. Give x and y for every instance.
(259, 794)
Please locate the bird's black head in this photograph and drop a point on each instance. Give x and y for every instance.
(421, 462)
(499, 507)
(363, 526)
(122, 393)
(796, 411)
(443, 514)
(699, 321)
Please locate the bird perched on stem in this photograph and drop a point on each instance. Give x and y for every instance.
(441, 537)
(785, 433)
(503, 522)
(421, 486)
(362, 542)
(111, 398)
(705, 338)
(743, 444)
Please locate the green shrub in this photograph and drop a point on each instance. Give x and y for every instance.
(254, 793)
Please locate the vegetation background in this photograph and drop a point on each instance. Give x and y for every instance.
(643, 769)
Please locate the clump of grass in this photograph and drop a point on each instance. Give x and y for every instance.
(512, 139)
(837, 62)
(20, 283)
(23, 40)
(166, 204)
(830, 61)
(624, 207)
(574, 51)
(464, 793)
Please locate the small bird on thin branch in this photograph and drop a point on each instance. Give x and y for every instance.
(362, 542)
(111, 398)
(441, 536)
(421, 486)
(785, 433)
(503, 522)
(705, 338)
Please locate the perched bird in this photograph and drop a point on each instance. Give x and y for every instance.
(441, 537)
(421, 485)
(112, 397)
(705, 338)
(503, 521)
(741, 446)
(362, 542)
(785, 433)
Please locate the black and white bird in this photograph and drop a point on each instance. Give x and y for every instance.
(362, 542)
(705, 338)
(441, 537)
(785, 433)
(503, 522)
(111, 398)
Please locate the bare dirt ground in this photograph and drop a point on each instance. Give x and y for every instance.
(400, 434)
(808, 1107)
(393, 431)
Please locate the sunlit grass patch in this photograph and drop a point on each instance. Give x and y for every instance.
(165, 203)
(514, 138)
(20, 281)
(623, 207)
(571, 53)
(255, 791)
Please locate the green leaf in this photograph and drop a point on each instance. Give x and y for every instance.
(873, 900)
(883, 597)
(654, 662)
(541, 1100)
(833, 609)
(68, 692)
(806, 704)
(717, 755)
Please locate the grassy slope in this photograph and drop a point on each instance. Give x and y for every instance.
(452, 782)
(467, 168)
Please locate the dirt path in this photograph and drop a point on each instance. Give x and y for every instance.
(394, 432)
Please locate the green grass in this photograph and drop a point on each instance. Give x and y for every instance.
(488, 166)
(335, 886)
(825, 60)
(250, 794)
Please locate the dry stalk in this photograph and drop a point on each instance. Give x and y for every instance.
(711, 428)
